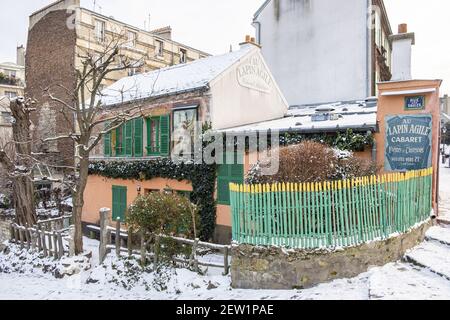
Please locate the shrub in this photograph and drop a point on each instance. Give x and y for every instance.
(310, 161)
(164, 213)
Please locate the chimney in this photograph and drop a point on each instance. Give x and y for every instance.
(20, 59)
(249, 40)
(401, 53)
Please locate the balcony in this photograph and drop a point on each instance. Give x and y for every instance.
(10, 81)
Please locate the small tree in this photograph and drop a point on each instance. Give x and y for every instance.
(91, 116)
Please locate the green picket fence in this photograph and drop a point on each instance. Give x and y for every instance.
(330, 214)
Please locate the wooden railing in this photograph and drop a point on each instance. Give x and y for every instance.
(330, 214)
(46, 237)
(123, 244)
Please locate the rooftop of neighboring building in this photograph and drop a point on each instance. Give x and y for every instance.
(331, 117)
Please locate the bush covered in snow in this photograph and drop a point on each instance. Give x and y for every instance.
(164, 213)
(310, 161)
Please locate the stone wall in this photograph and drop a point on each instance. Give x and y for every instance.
(276, 268)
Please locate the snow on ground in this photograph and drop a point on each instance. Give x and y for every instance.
(26, 276)
(444, 190)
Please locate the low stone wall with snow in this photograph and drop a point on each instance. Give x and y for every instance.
(277, 268)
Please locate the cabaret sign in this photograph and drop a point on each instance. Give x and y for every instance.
(408, 142)
(253, 74)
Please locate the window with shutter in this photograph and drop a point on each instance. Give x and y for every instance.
(158, 136)
(119, 141)
(119, 202)
(228, 173)
(138, 137)
(107, 143)
(165, 135)
(128, 145)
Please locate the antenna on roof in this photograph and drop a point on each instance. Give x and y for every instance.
(95, 4)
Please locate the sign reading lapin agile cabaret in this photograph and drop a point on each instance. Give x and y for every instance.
(408, 142)
(253, 74)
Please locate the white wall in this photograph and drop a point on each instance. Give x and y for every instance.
(317, 49)
(234, 104)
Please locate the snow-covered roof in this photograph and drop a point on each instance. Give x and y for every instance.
(179, 78)
(358, 115)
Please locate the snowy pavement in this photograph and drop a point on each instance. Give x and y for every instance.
(423, 274)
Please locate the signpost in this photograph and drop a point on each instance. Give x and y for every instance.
(408, 142)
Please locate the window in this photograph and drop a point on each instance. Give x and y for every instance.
(184, 131)
(127, 140)
(183, 56)
(11, 94)
(119, 203)
(131, 39)
(11, 73)
(6, 118)
(158, 136)
(100, 30)
(228, 173)
(159, 48)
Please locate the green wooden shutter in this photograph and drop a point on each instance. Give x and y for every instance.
(107, 142)
(164, 126)
(119, 202)
(138, 137)
(228, 173)
(128, 146)
(149, 134)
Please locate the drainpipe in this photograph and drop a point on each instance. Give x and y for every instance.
(368, 49)
(374, 150)
(257, 26)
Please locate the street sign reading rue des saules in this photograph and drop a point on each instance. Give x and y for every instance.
(408, 142)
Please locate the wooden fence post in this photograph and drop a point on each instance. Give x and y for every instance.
(143, 250)
(44, 242)
(39, 240)
(60, 245)
(104, 214)
(130, 243)
(55, 245)
(118, 237)
(71, 241)
(225, 261)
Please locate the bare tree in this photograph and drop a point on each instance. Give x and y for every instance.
(17, 158)
(92, 119)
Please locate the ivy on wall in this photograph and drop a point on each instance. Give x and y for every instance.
(347, 141)
(202, 177)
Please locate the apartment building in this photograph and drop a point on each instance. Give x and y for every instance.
(62, 32)
(324, 51)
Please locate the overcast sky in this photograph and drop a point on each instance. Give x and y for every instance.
(214, 25)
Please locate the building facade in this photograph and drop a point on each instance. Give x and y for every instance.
(12, 85)
(324, 51)
(223, 91)
(61, 33)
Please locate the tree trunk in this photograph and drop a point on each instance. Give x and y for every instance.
(21, 167)
(78, 202)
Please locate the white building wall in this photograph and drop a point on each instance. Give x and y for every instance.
(317, 49)
(235, 103)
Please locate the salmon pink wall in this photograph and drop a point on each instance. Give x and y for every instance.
(98, 193)
(395, 105)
